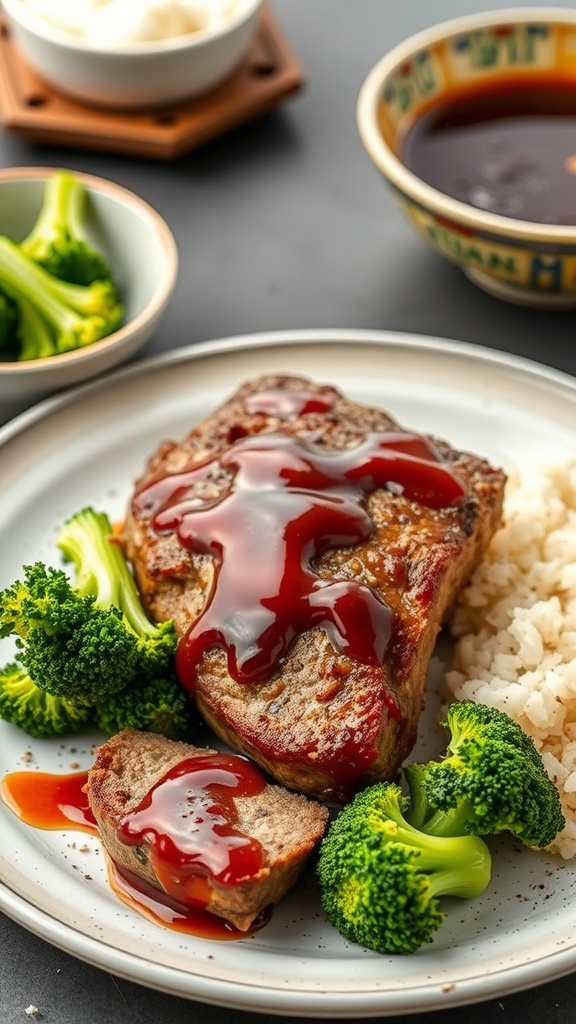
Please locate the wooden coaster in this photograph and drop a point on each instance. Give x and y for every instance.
(33, 109)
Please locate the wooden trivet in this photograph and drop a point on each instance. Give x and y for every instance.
(33, 109)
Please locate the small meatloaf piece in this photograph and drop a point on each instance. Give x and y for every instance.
(318, 674)
(204, 827)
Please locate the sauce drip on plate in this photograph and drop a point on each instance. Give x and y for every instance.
(53, 801)
(49, 801)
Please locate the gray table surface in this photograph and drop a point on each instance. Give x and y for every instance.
(285, 224)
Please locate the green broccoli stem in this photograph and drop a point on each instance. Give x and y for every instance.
(450, 822)
(58, 241)
(24, 278)
(24, 281)
(88, 541)
(459, 866)
(9, 325)
(36, 340)
(59, 299)
(59, 211)
(466, 882)
(419, 809)
(76, 211)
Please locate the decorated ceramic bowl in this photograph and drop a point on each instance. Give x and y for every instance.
(473, 125)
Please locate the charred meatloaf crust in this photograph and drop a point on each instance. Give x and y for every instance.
(237, 881)
(331, 701)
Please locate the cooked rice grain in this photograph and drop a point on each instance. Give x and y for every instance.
(515, 624)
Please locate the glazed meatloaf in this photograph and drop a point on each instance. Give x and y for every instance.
(205, 828)
(308, 549)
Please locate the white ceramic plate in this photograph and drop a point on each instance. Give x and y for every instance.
(87, 447)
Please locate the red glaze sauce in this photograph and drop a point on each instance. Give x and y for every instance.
(49, 801)
(287, 504)
(187, 820)
(163, 910)
(58, 802)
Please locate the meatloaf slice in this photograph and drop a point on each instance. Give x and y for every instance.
(282, 828)
(323, 719)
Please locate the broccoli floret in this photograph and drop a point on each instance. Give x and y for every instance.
(87, 645)
(70, 646)
(74, 315)
(151, 705)
(89, 637)
(58, 240)
(87, 541)
(54, 284)
(37, 712)
(491, 780)
(380, 878)
(387, 857)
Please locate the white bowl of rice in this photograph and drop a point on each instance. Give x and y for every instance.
(126, 55)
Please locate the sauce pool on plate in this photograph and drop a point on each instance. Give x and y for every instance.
(507, 148)
(52, 801)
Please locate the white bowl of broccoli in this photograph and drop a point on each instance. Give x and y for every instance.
(87, 269)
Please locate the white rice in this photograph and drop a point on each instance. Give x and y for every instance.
(515, 624)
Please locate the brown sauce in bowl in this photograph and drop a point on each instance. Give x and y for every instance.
(506, 148)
